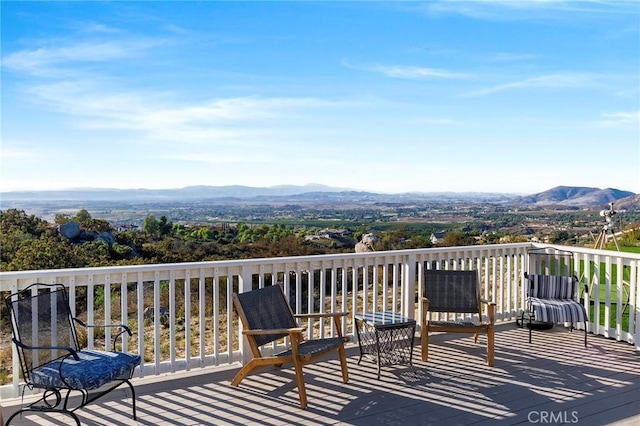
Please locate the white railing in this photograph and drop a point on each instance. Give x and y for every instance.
(178, 312)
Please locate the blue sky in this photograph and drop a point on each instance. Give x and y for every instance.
(489, 96)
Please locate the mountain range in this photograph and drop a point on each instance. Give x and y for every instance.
(575, 196)
(569, 196)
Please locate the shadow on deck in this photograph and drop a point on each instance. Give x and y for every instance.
(554, 380)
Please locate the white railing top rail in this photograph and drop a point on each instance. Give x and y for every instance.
(8, 277)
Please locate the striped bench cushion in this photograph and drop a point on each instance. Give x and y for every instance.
(558, 310)
(552, 299)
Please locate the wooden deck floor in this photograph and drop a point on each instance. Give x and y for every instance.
(552, 381)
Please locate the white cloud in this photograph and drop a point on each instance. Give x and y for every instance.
(562, 80)
(132, 109)
(217, 158)
(414, 73)
(241, 122)
(511, 57)
(527, 9)
(14, 154)
(407, 72)
(50, 61)
(620, 119)
(435, 121)
(94, 27)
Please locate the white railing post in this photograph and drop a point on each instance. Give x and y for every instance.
(409, 286)
(172, 321)
(244, 285)
(634, 305)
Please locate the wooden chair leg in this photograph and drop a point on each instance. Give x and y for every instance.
(244, 372)
(490, 346)
(302, 390)
(343, 364)
(424, 337)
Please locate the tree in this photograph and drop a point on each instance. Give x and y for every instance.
(93, 253)
(151, 226)
(82, 216)
(559, 237)
(16, 230)
(10, 243)
(165, 226)
(451, 239)
(14, 219)
(121, 251)
(46, 252)
(97, 225)
(61, 219)
(158, 227)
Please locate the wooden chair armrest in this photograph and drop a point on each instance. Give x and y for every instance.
(274, 331)
(322, 314)
(491, 310)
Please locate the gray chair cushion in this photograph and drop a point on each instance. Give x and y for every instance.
(315, 347)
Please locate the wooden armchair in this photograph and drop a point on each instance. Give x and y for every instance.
(51, 358)
(456, 292)
(267, 317)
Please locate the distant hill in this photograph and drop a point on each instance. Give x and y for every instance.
(187, 193)
(631, 203)
(575, 196)
(294, 193)
(314, 193)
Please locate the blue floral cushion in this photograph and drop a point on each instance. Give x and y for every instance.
(93, 370)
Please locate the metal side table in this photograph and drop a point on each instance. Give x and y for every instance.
(385, 336)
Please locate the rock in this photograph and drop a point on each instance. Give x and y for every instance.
(69, 230)
(107, 237)
(367, 243)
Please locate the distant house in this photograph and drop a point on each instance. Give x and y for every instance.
(126, 227)
(327, 234)
(334, 233)
(437, 237)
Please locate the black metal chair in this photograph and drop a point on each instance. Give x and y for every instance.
(552, 299)
(267, 317)
(51, 358)
(456, 292)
